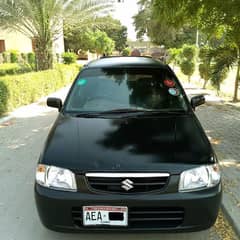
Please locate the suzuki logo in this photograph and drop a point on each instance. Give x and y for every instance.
(127, 184)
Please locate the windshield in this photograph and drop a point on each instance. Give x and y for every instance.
(109, 89)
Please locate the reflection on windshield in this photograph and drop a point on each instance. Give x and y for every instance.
(109, 89)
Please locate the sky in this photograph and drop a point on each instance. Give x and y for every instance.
(124, 12)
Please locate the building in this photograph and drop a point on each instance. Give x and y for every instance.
(13, 40)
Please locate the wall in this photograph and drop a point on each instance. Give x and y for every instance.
(16, 41)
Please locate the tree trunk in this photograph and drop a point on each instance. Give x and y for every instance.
(235, 96)
(44, 56)
(205, 84)
(189, 79)
(218, 89)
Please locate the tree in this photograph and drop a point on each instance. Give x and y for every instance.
(204, 67)
(213, 18)
(102, 43)
(79, 37)
(159, 31)
(42, 20)
(223, 58)
(187, 62)
(126, 52)
(116, 31)
(187, 68)
(174, 56)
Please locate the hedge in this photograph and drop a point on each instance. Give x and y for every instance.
(18, 90)
(13, 68)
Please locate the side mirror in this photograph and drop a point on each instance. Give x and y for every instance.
(197, 101)
(55, 103)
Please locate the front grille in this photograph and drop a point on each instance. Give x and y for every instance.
(144, 217)
(77, 216)
(128, 183)
(155, 217)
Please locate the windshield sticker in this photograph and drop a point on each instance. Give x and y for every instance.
(173, 91)
(81, 82)
(169, 83)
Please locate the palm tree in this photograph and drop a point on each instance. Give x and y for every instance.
(42, 20)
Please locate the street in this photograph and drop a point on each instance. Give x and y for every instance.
(21, 140)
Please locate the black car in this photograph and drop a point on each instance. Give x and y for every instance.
(127, 153)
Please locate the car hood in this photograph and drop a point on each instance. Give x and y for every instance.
(165, 144)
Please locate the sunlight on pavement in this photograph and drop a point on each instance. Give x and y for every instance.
(192, 90)
(33, 110)
(40, 108)
(230, 163)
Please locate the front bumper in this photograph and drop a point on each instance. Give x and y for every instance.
(200, 209)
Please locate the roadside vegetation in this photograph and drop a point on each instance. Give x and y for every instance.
(212, 26)
(22, 89)
(103, 37)
(14, 68)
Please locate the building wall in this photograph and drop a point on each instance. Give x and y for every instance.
(58, 44)
(16, 41)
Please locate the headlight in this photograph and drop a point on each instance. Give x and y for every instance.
(199, 178)
(56, 178)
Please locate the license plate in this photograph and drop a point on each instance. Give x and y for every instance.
(105, 215)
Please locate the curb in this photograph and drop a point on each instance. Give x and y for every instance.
(5, 119)
(231, 214)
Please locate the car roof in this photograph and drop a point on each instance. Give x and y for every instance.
(125, 62)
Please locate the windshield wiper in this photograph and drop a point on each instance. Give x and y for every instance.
(88, 114)
(124, 110)
(167, 111)
(146, 112)
(129, 112)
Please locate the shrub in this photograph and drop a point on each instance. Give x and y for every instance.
(69, 57)
(187, 62)
(189, 51)
(31, 59)
(187, 68)
(174, 56)
(126, 52)
(13, 68)
(26, 88)
(6, 57)
(4, 94)
(9, 68)
(24, 57)
(14, 55)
